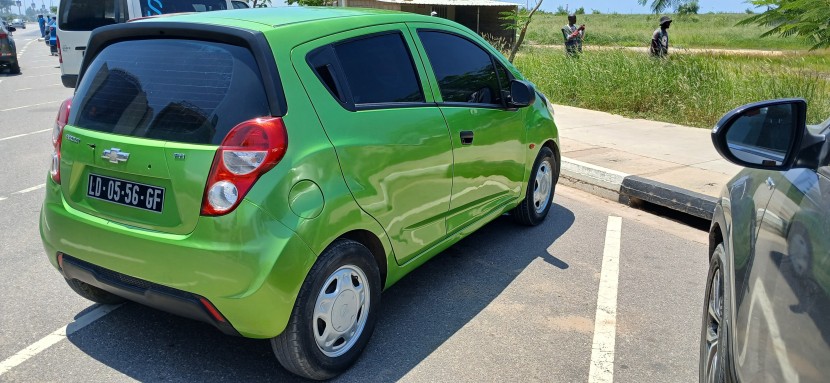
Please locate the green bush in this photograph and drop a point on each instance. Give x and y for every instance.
(693, 90)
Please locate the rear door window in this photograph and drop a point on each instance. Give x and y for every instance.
(172, 90)
(160, 7)
(86, 15)
(369, 70)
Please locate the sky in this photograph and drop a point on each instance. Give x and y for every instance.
(633, 6)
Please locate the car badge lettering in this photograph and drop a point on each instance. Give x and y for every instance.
(178, 156)
(115, 155)
(73, 139)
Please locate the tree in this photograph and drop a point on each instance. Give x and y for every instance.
(806, 18)
(312, 3)
(518, 20)
(580, 11)
(658, 6)
(690, 8)
(596, 12)
(560, 11)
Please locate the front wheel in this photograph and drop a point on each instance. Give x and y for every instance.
(539, 196)
(334, 315)
(714, 350)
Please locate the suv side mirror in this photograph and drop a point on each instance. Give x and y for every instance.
(11, 29)
(768, 135)
(522, 94)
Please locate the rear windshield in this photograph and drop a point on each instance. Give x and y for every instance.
(86, 15)
(172, 90)
(159, 7)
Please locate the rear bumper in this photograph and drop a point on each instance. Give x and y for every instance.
(247, 264)
(150, 294)
(69, 80)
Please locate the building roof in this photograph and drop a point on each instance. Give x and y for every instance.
(474, 3)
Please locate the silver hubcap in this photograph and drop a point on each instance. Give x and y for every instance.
(542, 186)
(714, 317)
(341, 310)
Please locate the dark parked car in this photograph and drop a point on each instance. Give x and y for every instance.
(8, 51)
(765, 316)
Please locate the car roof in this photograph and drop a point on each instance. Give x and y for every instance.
(265, 19)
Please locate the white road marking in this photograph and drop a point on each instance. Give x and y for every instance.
(45, 66)
(42, 75)
(2, 198)
(605, 323)
(39, 87)
(29, 106)
(55, 337)
(31, 189)
(24, 134)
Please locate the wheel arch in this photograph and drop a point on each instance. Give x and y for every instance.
(550, 144)
(375, 246)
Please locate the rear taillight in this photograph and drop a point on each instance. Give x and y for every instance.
(60, 55)
(57, 136)
(248, 151)
(3, 35)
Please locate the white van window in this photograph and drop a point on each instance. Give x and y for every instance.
(86, 15)
(158, 7)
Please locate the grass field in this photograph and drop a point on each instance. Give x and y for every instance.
(698, 31)
(694, 90)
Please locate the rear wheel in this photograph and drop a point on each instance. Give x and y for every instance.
(714, 355)
(15, 68)
(541, 186)
(93, 293)
(334, 315)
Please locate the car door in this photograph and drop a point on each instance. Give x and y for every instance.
(470, 85)
(391, 139)
(780, 328)
(783, 324)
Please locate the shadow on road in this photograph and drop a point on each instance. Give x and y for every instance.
(418, 314)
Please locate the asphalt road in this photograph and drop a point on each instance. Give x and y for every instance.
(508, 303)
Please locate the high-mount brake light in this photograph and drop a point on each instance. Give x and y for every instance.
(248, 151)
(57, 137)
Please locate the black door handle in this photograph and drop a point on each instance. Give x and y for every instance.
(466, 137)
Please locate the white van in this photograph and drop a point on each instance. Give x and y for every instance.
(77, 19)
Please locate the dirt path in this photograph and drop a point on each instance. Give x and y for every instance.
(740, 52)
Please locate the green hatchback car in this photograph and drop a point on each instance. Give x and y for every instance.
(271, 171)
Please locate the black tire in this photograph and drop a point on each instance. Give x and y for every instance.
(297, 348)
(721, 354)
(93, 293)
(528, 212)
(15, 68)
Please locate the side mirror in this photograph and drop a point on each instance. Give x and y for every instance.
(768, 135)
(11, 29)
(522, 94)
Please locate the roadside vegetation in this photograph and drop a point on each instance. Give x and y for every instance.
(694, 89)
(691, 31)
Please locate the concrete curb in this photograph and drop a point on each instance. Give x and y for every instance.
(622, 187)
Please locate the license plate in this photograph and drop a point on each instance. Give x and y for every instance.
(126, 193)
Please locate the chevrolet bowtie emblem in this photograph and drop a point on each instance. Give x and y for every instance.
(115, 155)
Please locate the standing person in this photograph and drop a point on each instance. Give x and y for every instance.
(660, 38)
(41, 22)
(573, 36)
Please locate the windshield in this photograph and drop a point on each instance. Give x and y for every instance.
(173, 90)
(86, 15)
(159, 7)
